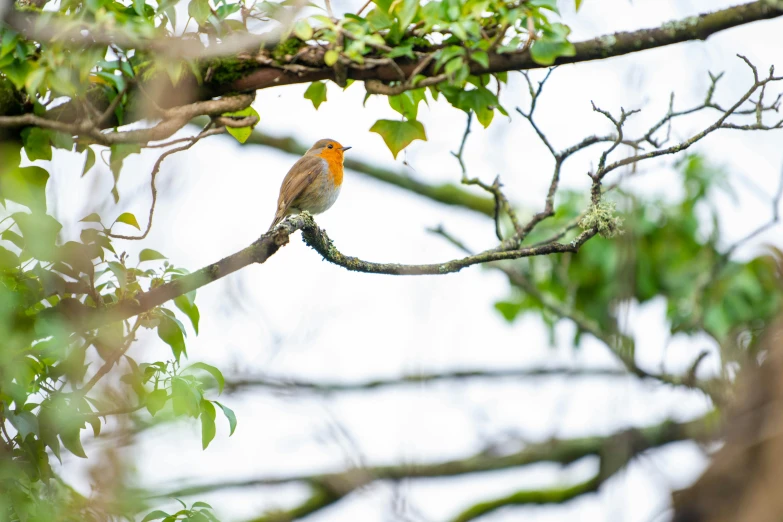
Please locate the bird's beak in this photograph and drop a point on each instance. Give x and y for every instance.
(345, 148)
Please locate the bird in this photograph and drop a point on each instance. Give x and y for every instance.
(313, 183)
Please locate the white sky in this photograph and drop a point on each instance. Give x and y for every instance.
(300, 317)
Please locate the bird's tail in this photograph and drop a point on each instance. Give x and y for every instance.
(278, 218)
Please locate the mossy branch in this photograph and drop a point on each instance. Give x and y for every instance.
(80, 317)
(330, 487)
(230, 75)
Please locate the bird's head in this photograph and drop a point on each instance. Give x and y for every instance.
(327, 148)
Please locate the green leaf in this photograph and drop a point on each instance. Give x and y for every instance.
(379, 19)
(508, 310)
(316, 93)
(242, 133)
(37, 143)
(406, 12)
(155, 515)
(40, 234)
(118, 154)
(481, 58)
(13, 237)
(407, 103)
(214, 372)
(61, 140)
(8, 42)
(89, 161)
(170, 332)
(185, 398)
(48, 429)
(95, 423)
(481, 101)
(199, 10)
(578, 4)
(34, 80)
(545, 52)
(207, 423)
(120, 272)
(17, 72)
(232, 418)
(92, 218)
(399, 134)
(447, 54)
(150, 255)
(8, 260)
(156, 400)
(72, 441)
(24, 422)
(552, 44)
(302, 30)
(26, 186)
(544, 4)
(186, 303)
(128, 219)
(330, 57)
(78, 255)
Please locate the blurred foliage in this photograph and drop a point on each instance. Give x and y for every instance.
(46, 402)
(670, 250)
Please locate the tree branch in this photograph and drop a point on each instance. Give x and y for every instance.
(606, 46)
(284, 384)
(554, 495)
(156, 168)
(561, 451)
(262, 72)
(172, 120)
(619, 344)
(84, 318)
(319, 499)
(320, 242)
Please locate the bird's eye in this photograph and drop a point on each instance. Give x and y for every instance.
(330, 146)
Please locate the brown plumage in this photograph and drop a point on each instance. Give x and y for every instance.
(313, 183)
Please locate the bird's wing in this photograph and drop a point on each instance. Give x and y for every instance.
(301, 175)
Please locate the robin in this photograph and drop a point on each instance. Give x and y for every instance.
(313, 183)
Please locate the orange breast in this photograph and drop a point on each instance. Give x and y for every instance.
(335, 161)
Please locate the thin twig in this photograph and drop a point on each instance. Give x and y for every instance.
(155, 169)
(111, 360)
(775, 204)
(362, 8)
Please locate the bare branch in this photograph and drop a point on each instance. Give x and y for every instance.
(294, 385)
(155, 169)
(774, 220)
(561, 451)
(721, 122)
(501, 201)
(535, 93)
